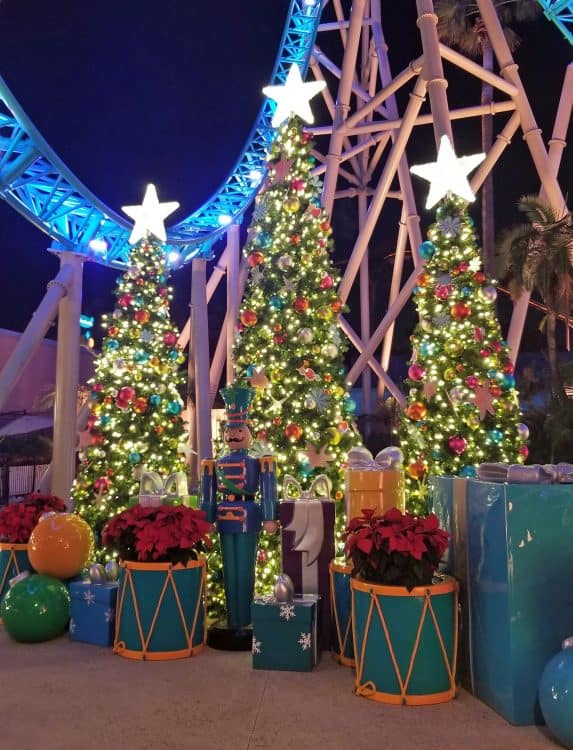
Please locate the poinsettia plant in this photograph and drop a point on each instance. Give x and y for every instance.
(168, 533)
(395, 549)
(18, 519)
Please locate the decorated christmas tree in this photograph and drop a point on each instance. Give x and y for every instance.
(290, 347)
(462, 405)
(135, 420)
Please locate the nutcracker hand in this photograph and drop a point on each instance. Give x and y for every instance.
(271, 527)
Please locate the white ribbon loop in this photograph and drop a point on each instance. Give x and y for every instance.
(360, 459)
(535, 474)
(153, 489)
(318, 490)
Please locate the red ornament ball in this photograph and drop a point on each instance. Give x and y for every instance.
(422, 279)
(485, 352)
(457, 444)
(112, 331)
(297, 184)
(170, 338)
(417, 470)
(460, 310)
(508, 368)
(417, 411)
(480, 277)
(463, 266)
(495, 390)
(140, 405)
(127, 394)
(496, 346)
(279, 338)
(293, 431)
(261, 557)
(301, 304)
(249, 318)
(255, 259)
(125, 300)
(295, 239)
(325, 226)
(142, 316)
(315, 211)
(523, 450)
(336, 306)
(416, 372)
(327, 282)
(97, 387)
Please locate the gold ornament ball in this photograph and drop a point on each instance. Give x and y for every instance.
(453, 347)
(60, 545)
(292, 205)
(334, 437)
(449, 374)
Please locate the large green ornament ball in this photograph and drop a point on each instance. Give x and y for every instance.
(36, 609)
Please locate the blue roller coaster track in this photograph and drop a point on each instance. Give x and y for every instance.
(35, 181)
(561, 13)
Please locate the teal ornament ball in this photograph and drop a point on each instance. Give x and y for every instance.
(174, 354)
(250, 371)
(36, 609)
(556, 695)
(496, 436)
(507, 382)
(104, 419)
(138, 301)
(155, 399)
(141, 356)
(264, 239)
(112, 345)
(436, 454)
(469, 472)
(135, 457)
(492, 374)
(276, 302)
(426, 250)
(467, 291)
(174, 408)
(350, 405)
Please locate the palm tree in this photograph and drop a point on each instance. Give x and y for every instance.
(460, 25)
(538, 255)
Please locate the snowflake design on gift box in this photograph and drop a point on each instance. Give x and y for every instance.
(305, 641)
(89, 597)
(72, 626)
(109, 615)
(287, 611)
(256, 646)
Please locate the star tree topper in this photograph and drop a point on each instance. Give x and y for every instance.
(448, 174)
(293, 98)
(149, 216)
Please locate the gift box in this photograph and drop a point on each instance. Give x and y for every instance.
(155, 491)
(374, 482)
(307, 545)
(92, 612)
(512, 552)
(285, 634)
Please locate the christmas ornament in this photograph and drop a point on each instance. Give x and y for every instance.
(135, 457)
(36, 609)
(140, 405)
(112, 570)
(255, 259)
(126, 394)
(249, 318)
(174, 407)
(496, 436)
(507, 382)
(330, 351)
(293, 431)
(97, 573)
(523, 450)
(489, 293)
(336, 306)
(142, 316)
(169, 338)
(309, 403)
(305, 335)
(324, 312)
(276, 302)
(457, 444)
(426, 250)
(416, 411)
(416, 372)
(149, 216)
(483, 400)
(326, 282)
(471, 381)
(284, 589)
(456, 395)
(301, 304)
(416, 470)
(460, 310)
(284, 262)
(449, 374)
(522, 431)
(292, 205)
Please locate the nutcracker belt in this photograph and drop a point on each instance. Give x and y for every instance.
(239, 515)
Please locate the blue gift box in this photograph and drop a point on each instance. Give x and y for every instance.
(512, 551)
(284, 634)
(92, 613)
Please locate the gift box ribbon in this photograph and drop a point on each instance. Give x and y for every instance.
(307, 524)
(535, 474)
(152, 485)
(388, 458)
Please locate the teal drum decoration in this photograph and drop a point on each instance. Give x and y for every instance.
(160, 610)
(556, 694)
(13, 561)
(405, 642)
(341, 609)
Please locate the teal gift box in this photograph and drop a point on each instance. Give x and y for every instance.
(512, 551)
(284, 634)
(13, 561)
(92, 612)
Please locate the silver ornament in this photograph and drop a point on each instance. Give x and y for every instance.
(284, 588)
(309, 403)
(489, 293)
(284, 262)
(305, 335)
(112, 570)
(330, 351)
(97, 573)
(457, 395)
(522, 431)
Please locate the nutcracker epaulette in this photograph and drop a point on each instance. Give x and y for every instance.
(268, 463)
(207, 467)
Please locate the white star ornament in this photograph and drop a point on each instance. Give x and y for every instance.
(448, 174)
(293, 97)
(149, 216)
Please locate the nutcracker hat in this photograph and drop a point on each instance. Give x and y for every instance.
(237, 400)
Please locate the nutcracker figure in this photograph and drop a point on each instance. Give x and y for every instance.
(228, 489)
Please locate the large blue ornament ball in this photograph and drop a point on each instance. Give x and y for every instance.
(174, 407)
(507, 382)
(36, 609)
(556, 696)
(469, 472)
(276, 302)
(426, 250)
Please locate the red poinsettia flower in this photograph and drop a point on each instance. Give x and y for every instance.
(18, 519)
(395, 548)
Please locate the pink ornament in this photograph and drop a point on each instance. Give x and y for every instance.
(297, 184)
(416, 372)
(170, 338)
(326, 282)
(127, 393)
(443, 291)
(125, 300)
(496, 346)
(162, 291)
(485, 352)
(479, 333)
(471, 381)
(457, 444)
(463, 266)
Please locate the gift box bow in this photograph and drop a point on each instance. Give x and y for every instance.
(535, 474)
(153, 489)
(362, 460)
(318, 490)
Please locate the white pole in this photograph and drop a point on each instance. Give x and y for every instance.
(34, 333)
(233, 298)
(200, 338)
(67, 379)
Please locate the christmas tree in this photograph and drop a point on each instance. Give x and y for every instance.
(135, 420)
(462, 405)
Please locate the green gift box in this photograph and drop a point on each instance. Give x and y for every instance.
(284, 634)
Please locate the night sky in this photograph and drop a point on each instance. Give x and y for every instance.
(137, 91)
